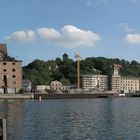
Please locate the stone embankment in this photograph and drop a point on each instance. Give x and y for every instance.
(16, 96)
(72, 96)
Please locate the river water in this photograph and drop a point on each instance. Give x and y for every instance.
(72, 119)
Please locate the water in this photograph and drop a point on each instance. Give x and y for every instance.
(72, 119)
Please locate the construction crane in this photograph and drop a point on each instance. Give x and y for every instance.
(77, 56)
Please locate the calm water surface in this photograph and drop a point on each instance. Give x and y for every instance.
(72, 119)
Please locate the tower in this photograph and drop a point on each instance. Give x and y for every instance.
(77, 56)
(65, 57)
(116, 78)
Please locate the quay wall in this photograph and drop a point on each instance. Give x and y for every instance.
(71, 96)
(16, 96)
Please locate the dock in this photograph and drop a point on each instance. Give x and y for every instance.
(72, 96)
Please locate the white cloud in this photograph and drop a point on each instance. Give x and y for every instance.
(48, 33)
(21, 36)
(133, 38)
(68, 36)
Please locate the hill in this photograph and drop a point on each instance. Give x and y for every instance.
(43, 72)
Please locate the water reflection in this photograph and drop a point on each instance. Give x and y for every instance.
(80, 119)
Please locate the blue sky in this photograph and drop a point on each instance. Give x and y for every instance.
(46, 29)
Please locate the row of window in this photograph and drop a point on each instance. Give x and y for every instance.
(4, 63)
(130, 81)
(56, 84)
(129, 84)
(13, 70)
(129, 88)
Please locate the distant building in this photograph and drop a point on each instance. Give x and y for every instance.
(56, 85)
(10, 72)
(26, 85)
(130, 84)
(115, 79)
(114, 82)
(94, 82)
(65, 57)
(42, 87)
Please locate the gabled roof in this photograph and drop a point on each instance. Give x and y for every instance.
(65, 55)
(3, 49)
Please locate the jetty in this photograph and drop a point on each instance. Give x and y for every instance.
(73, 96)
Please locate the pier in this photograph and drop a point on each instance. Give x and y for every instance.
(73, 96)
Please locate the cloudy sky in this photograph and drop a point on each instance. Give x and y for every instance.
(46, 29)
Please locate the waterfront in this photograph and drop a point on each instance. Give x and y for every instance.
(72, 119)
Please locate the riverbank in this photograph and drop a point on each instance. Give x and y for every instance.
(64, 96)
(73, 96)
(16, 96)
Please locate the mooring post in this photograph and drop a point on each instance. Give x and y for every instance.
(2, 129)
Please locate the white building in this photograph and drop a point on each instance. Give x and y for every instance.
(56, 85)
(42, 87)
(130, 84)
(94, 82)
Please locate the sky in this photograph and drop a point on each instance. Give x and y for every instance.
(46, 29)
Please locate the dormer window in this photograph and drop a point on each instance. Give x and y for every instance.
(4, 63)
(13, 63)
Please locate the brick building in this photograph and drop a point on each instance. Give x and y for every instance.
(10, 72)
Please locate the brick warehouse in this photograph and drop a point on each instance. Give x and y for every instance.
(10, 72)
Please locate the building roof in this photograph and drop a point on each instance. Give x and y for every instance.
(4, 54)
(65, 55)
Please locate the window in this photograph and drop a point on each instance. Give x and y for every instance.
(4, 63)
(5, 79)
(14, 76)
(13, 70)
(13, 63)
(14, 82)
(4, 70)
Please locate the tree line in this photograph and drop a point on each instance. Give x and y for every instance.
(41, 72)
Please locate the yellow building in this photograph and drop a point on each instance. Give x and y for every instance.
(130, 84)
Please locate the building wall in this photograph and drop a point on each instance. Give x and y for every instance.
(89, 82)
(130, 84)
(103, 80)
(42, 87)
(115, 79)
(56, 85)
(115, 83)
(13, 72)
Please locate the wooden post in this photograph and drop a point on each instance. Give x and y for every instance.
(2, 129)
